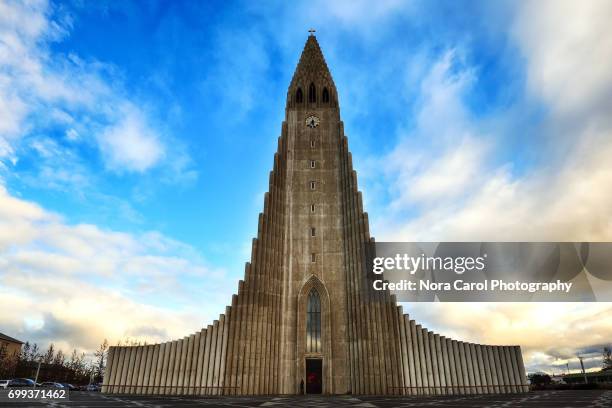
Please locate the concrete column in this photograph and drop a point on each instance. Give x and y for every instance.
(416, 349)
(127, 369)
(521, 369)
(423, 358)
(176, 390)
(481, 369)
(219, 347)
(500, 370)
(475, 371)
(205, 364)
(511, 368)
(133, 376)
(393, 336)
(412, 356)
(144, 370)
(361, 380)
(247, 373)
(116, 378)
(143, 351)
(131, 369)
(213, 355)
(163, 368)
(386, 371)
(136, 369)
(459, 367)
(222, 373)
(450, 353)
(183, 367)
(194, 363)
(464, 367)
(433, 357)
(230, 373)
(442, 370)
(149, 375)
(183, 382)
(236, 343)
(443, 355)
(505, 370)
(487, 369)
(404, 353)
(470, 368)
(109, 370)
(259, 359)
(154, 369)
(121, 373)
(245, 334)
(429, 361)
(200, 362)
(172, 364)
(494, 370)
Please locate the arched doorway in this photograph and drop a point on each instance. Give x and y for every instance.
(314, 339)
(314, 366)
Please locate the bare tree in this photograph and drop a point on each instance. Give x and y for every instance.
(607, 358)
(49, 354)
(100, 355)
(59, 358)
(34, 353)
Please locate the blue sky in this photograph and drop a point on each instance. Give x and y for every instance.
(210, 82)
(136, 140)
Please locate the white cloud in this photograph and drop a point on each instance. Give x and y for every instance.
(569, 50)
(82, 283)
(39, 87)
(130, 144)
(452, 189)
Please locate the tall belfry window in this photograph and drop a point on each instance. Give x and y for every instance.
(325, 95)
(299, 97)
(312, 93)
(313, 322)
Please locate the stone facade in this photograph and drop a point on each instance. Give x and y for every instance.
(10, 345)
(311, 237)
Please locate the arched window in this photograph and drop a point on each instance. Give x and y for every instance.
(299, 97)
(313, 322)
(325, 96)
(312, 93)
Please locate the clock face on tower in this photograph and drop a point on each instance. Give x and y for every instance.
(312, 121)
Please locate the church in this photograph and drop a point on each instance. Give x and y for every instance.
(304, 319)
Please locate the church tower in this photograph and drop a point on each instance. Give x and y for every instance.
(305, 317)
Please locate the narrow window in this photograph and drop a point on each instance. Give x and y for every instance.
(312, 208)
(325, 95)
(313, 322)
(312, 93)
(313, 232)
(312, 185)
(312, 164)
(312, 143)
(313, 257)
(299, 97)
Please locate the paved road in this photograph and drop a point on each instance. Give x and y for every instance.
(542, 399)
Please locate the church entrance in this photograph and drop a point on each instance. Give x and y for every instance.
(314, 376)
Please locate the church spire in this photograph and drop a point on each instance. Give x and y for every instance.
(311, 74)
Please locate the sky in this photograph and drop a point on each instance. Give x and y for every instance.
(136, 140)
